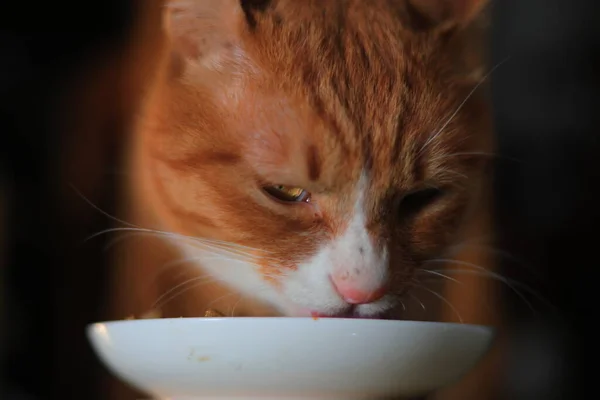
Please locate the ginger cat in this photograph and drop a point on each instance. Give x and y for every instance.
(301, 158)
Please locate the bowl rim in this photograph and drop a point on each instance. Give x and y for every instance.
(492, 330)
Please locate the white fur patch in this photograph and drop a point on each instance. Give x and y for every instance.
(232, 270)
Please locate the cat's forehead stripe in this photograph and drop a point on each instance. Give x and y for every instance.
(329, 119)
(314, 163)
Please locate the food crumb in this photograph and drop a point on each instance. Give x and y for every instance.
(212, 314)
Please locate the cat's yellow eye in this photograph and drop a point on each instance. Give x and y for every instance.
(287, 193)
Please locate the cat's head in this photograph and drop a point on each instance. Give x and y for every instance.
(326, 148)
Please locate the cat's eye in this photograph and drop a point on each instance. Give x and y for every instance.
(414, 202)
(287, 194)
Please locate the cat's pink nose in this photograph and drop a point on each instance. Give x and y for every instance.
(353, 294)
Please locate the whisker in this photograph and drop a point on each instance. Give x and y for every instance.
(131, 229)
(490, 273)
(456, 173)
(460, 106)
(433, 272)
(192, 283)
(179, 261)
(439, 296)
(506, 281)
(474, 153)
(453, 250)
(200, 243)
(171, 264)
(419, 301)
(120, 238)
(227, 244)
(219, 298)
(223, 250)
(203, 243)
(175, 235)
(222, 257)
(95, 207)
(236, 304)
(124, 236)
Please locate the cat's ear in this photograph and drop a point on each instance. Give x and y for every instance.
(210, 32)
(461, 24)
(444, 14)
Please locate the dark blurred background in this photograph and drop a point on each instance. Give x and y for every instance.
(59, 62)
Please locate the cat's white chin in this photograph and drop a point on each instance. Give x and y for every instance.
(377, 310)
(350, 314)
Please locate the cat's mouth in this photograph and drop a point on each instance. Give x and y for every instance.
(351, 313)
(384, 309)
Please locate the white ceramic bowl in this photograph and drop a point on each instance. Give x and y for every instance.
(258, 358)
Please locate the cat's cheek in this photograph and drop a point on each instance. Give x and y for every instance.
(433, 233)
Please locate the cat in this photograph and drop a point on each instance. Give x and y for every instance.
(307, 158)
(310, 158)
